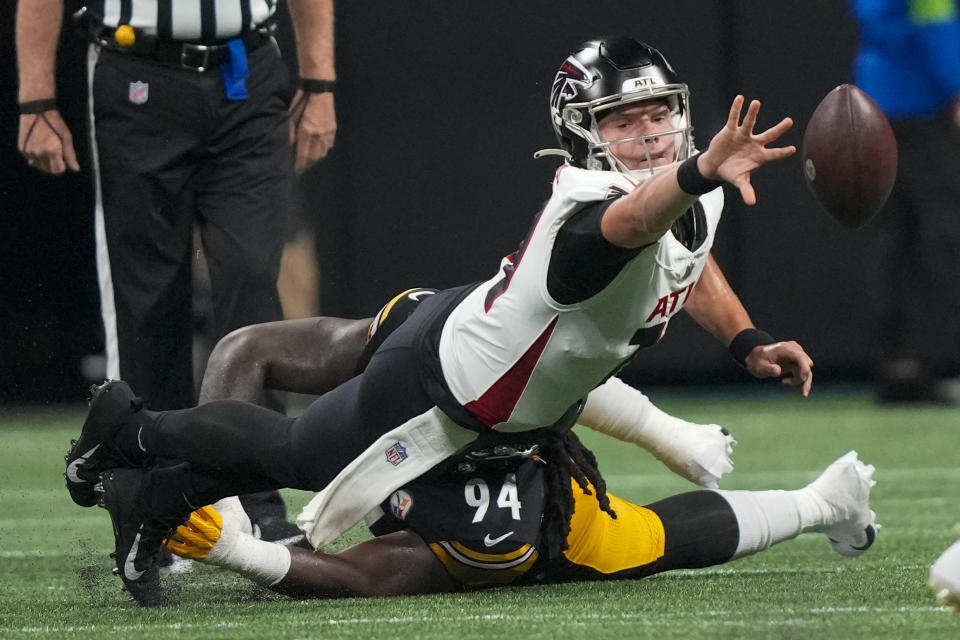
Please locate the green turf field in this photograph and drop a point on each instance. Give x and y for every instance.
(56, 580)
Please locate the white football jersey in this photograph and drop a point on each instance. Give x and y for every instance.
(517, 359)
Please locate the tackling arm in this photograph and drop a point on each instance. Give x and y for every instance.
(220, 535)
(309, 355)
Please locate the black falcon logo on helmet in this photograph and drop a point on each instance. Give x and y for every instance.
(571, 76)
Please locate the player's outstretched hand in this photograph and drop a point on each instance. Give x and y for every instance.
(785, 360)
(736, 151)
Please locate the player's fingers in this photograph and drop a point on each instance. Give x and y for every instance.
(750, 120)
(793, 379)
(775, 131)
(746, 192)
(807, 384)
(734, 118)
(772, 370)
(779, 153)
(765, 369)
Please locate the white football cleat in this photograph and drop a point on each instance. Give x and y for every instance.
(845, 487)
(945, 577)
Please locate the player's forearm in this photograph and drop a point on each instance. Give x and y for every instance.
(313, 26)
(38, 32)
(699, 453)
(715, 307)
(647, 213)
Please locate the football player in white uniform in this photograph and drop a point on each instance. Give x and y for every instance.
(481, 520)
(613, 256)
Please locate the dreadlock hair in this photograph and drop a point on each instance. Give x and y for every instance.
(566, 457)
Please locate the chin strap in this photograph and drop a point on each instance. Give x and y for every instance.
(542, 153)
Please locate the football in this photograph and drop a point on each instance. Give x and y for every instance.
(849, 156)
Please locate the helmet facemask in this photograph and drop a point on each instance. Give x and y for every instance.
(583, 120)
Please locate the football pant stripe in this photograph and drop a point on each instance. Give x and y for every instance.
(471, 573)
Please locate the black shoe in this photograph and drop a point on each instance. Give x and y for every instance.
(110, 404)
(137, 542)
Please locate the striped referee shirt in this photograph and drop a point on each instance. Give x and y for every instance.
(195, 20)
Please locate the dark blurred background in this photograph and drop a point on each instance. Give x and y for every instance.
(441, 106)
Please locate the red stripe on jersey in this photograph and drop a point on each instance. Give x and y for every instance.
(500, 287)
(497, 403)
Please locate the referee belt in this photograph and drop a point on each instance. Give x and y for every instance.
(186, 55)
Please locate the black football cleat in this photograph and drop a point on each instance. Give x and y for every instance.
(110, 404)
(138, 544)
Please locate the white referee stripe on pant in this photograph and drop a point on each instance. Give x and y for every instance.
(425, 440)
(108, 309)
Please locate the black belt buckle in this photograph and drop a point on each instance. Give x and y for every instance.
(196, 56)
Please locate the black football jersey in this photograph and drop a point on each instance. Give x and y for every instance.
(481, 519)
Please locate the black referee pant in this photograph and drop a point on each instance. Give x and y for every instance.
(170, 151)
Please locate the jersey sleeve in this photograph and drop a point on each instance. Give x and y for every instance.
(583, 262)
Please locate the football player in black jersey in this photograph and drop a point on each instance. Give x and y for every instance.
(478, 521)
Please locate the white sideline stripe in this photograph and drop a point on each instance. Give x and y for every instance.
(519, 617)
(37, 553)
(793, 476)
(108, 309)
(719, 571)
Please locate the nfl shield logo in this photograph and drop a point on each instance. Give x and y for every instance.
(396, 454)
(138, 92)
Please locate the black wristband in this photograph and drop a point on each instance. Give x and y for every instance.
(691, 181)
(38, 106)
(745, 341)
(310, 85)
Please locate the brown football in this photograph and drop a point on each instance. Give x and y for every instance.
(849, 156)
